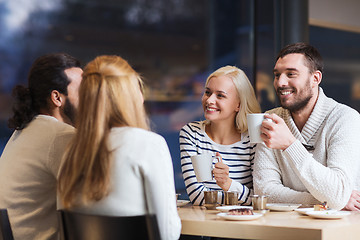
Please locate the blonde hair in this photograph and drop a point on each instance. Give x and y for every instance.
(110, 95)
(245, 92)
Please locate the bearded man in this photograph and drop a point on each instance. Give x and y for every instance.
(44, 113)
(311, 148)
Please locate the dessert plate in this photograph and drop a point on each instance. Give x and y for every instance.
(305, 210)
(282, 207)
(332, 214)
(181, 203)
(229, 207)
(239, 217)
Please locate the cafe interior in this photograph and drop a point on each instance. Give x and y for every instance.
(175, 45)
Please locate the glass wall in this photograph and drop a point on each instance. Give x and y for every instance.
(174, 44)
(341, 53)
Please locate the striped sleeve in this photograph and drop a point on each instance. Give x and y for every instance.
(188, 148)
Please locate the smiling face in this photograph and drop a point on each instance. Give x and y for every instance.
(295, 86)
(220, 100)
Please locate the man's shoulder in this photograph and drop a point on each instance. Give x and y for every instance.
(278, 111)
(52, 124)
(342, 111)
(336, 109)
(49, 128)
(274, 110)
(60, 130)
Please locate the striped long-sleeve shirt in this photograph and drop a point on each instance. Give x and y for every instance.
(238, 156)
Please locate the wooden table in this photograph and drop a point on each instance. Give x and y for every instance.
(273, 225)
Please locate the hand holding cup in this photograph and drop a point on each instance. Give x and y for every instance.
(275, 132)
(221, 174)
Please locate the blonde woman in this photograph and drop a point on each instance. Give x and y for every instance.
(115, 165)
(227, 98)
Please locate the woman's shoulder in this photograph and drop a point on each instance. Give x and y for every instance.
(196, 126)
(136, 141)
(134, 134)
(245, 141)
(245, 137)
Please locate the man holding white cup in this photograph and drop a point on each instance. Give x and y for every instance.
(310, 151)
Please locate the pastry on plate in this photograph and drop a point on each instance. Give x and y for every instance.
(321, 207)
(241, 211)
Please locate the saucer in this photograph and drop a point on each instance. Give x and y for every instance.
(282, 207)
(304, 210)
(239, 217)
(181, 203)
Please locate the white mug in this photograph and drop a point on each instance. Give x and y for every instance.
(254, 121)
(203, 166)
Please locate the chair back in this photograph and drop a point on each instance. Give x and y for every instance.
(5, 227)
(80, 226)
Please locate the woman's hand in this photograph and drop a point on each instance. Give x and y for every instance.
(221, 174)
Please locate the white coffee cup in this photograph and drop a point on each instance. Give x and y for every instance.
(203, 166)
(254, 121)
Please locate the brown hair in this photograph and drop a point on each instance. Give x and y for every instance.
(46, 74)
(313, 58)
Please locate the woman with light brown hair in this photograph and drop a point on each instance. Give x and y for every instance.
(115, 165)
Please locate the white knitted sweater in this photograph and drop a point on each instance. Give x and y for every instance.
(142, 180)
(328, 173)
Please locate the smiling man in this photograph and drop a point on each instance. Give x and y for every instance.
(311, 149)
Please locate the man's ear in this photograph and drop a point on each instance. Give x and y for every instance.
(317, 77)
(56, 98)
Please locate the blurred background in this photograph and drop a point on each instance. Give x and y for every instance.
(176, 44)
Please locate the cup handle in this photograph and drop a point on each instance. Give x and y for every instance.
(212, 167)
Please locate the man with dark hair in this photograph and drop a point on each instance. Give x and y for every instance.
(311, 150)
(30, 161)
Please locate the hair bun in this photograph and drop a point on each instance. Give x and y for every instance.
(21, 93)
(22, 108)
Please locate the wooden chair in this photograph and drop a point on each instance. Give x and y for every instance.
(5, 227)
(80, 226)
